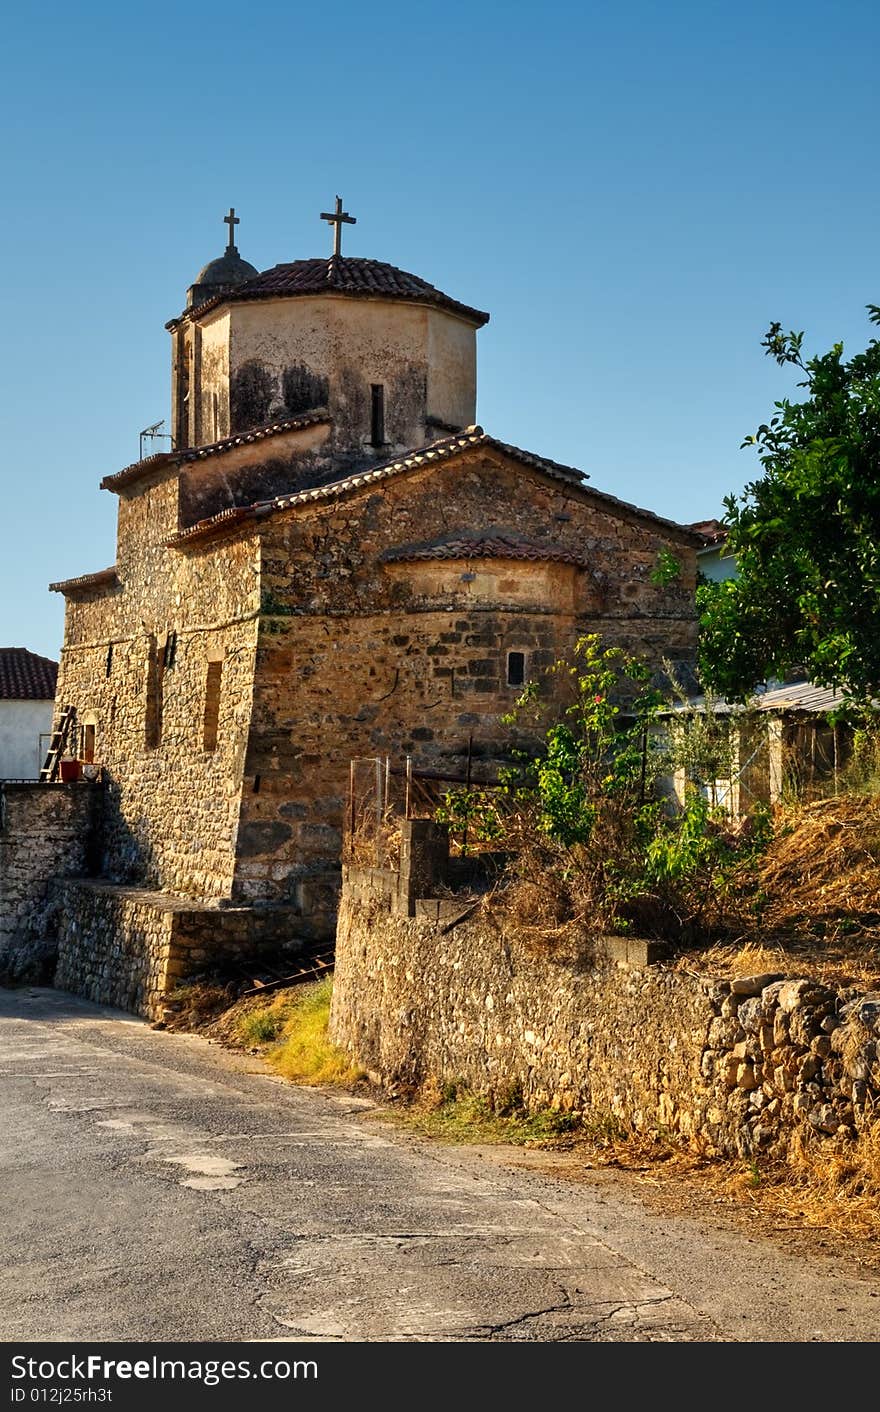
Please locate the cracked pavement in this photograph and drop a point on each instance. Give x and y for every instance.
(159, 1187)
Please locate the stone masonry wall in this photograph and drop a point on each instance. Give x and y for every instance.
(171, 804)
(45, 831)
(359, 655)
(732, 1066)
(129, 948)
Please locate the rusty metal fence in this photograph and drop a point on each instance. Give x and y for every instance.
(381, 794)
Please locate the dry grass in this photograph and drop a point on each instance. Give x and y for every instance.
(197, 1003)
(823, 870)
(452, 1113)
(825, 1184)
(373, 845)
(290, 1031)
(810, 902)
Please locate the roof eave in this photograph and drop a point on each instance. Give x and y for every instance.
(477, 317)
(472, 439)
(130, 475)
(86, 583)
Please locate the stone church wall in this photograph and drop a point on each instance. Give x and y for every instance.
(733, 1067)
(362, 657)
(171, 803)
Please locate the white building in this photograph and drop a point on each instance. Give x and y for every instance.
(27, 698)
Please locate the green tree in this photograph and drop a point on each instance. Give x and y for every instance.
(806, 536)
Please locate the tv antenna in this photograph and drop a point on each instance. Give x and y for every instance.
(152, 433)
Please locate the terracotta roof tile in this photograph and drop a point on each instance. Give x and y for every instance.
(26, 677)
(485, 547)
(104, 578)
(432, 454)
(711, 531)
(129, 474)
(338, 275)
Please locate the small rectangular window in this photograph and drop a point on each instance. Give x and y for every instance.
(377, 414)
(88, 745)
(516, 668)
(212, 705)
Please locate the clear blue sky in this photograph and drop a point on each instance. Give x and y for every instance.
(633, 190)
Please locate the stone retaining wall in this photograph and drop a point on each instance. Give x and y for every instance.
(732, 1066)
(46, 831)
(130, 948)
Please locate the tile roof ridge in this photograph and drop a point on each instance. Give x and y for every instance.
(133, 472)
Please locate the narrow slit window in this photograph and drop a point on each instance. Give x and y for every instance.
(212, 704)
(108, 671)
(377, 414)
(153, 715)
(516, 669)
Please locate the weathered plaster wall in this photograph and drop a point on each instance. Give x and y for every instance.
(257, 470)
(289, 355)
(212, 391)
(733, 1067)
(46, 831)
(130, 948)
(452, 370)
(22, 724)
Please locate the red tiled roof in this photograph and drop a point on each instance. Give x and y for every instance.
(104, 578)
(710, 531)
(436, 451)
(338, 275)
(129, 474)
(487, 547)
(26, 677)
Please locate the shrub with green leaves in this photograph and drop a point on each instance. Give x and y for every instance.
(582, 812)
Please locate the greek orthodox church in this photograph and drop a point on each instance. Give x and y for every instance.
(332, 561)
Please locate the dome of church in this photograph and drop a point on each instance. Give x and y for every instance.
(230, 268)
(226, 272)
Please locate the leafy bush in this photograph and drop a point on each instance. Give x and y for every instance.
(594, 840)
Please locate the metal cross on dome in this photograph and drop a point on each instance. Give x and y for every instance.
(338, 219)
(232, 221)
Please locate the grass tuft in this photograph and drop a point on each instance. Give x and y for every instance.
(293, 1029)
(450, 1112)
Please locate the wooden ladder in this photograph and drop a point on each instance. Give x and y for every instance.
(58, 741)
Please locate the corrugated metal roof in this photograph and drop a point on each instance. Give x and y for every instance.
(802, 696)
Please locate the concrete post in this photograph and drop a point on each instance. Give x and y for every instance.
(424, 861)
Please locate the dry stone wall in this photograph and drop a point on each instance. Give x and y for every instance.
(731, 1066)
(46, 831)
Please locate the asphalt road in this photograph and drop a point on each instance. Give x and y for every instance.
(155, 1187)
